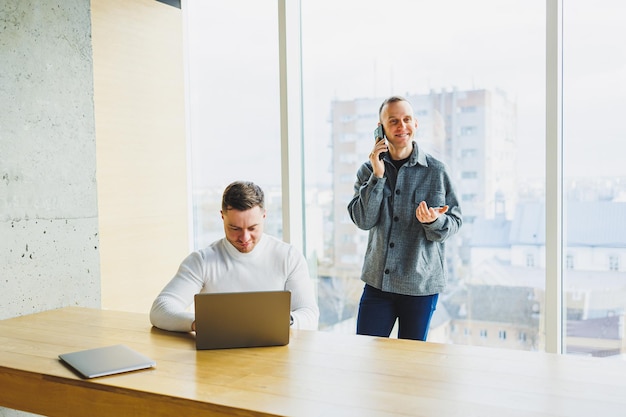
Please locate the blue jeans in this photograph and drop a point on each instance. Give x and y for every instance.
(378, 311)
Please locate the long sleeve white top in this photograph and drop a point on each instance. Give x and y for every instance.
(271, 265)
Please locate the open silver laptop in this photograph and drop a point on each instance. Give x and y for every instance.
(106, 360)
(242, 319)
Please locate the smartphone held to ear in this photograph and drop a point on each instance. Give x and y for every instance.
(379, 134)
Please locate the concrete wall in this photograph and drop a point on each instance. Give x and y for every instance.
(49, 255)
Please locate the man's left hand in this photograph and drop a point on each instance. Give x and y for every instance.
(427, 214)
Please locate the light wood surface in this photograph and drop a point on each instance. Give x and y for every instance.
(317, 374)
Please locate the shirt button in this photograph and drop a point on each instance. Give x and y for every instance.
(387, 271)
(396, 218)
(397, 192)
(391, 245)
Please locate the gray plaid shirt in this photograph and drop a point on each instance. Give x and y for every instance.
(403, 255)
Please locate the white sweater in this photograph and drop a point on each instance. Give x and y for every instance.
(272, 265)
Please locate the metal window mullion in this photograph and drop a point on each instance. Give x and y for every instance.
(553, 317)
(290, 68)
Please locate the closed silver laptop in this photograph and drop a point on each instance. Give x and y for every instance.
(242, 319)
(106, 360)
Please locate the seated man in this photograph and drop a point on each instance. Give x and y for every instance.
(246, 259)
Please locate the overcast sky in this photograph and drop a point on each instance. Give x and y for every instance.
(360, 48)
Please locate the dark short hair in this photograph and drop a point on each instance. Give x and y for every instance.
(392, 99)
(242, 195)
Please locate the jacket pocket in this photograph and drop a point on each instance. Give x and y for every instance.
(433, 198)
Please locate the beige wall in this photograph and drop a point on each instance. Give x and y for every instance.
(141, 148)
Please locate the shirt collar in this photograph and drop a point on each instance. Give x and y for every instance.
(417, 156)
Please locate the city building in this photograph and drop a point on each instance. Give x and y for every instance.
(500, 302)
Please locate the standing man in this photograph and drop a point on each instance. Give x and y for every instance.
(405, 198)
(246, 259)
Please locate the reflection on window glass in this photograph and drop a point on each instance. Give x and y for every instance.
(475, 75)
(594, 73)
(234, 123)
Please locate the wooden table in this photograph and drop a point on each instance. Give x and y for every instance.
(317, 374)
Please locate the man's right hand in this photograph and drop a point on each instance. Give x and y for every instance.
(377, 164)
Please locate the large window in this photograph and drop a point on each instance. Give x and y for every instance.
(475, 72)
(234, 122)
(594, 86)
